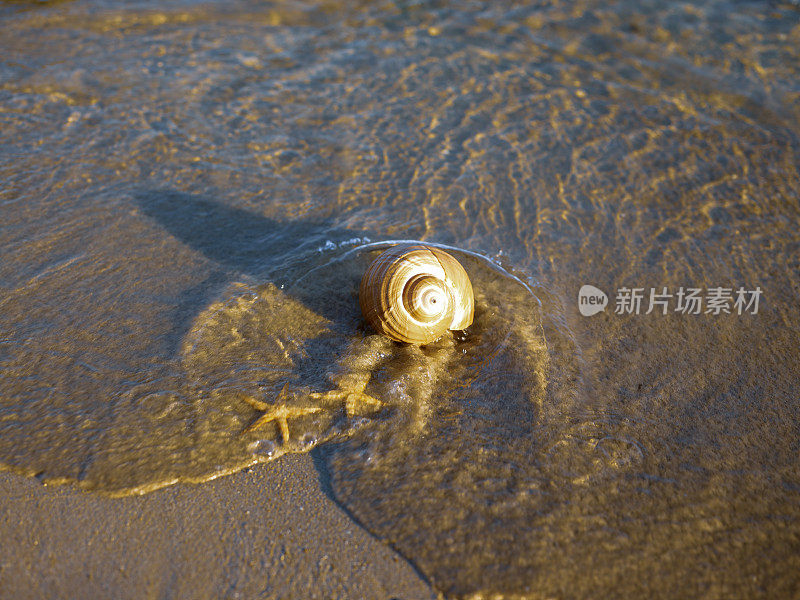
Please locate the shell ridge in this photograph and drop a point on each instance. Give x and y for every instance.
(400, 287)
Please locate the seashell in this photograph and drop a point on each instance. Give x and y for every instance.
(414, 293)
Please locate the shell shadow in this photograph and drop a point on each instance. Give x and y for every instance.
(241, 242)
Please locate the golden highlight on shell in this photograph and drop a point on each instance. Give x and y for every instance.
(415, 293)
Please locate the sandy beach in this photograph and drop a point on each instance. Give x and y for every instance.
(269, 532)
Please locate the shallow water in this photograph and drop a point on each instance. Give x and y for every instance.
(189, 194)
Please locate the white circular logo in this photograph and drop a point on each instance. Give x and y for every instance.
(591, 300)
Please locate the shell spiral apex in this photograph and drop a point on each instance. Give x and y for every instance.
(415, 293)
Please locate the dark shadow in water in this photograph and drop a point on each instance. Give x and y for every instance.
(192, 300)
(241, 241)
(319, 456)
(237, 238)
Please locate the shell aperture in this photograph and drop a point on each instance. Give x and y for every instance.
(415, 293)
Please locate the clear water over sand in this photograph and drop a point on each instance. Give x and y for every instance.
(189, 195)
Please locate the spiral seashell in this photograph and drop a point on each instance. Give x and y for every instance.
(414, 293)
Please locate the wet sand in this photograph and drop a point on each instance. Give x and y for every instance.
(268, 532)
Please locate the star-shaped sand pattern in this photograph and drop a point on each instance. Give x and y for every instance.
(279, 412)
(353, 398)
